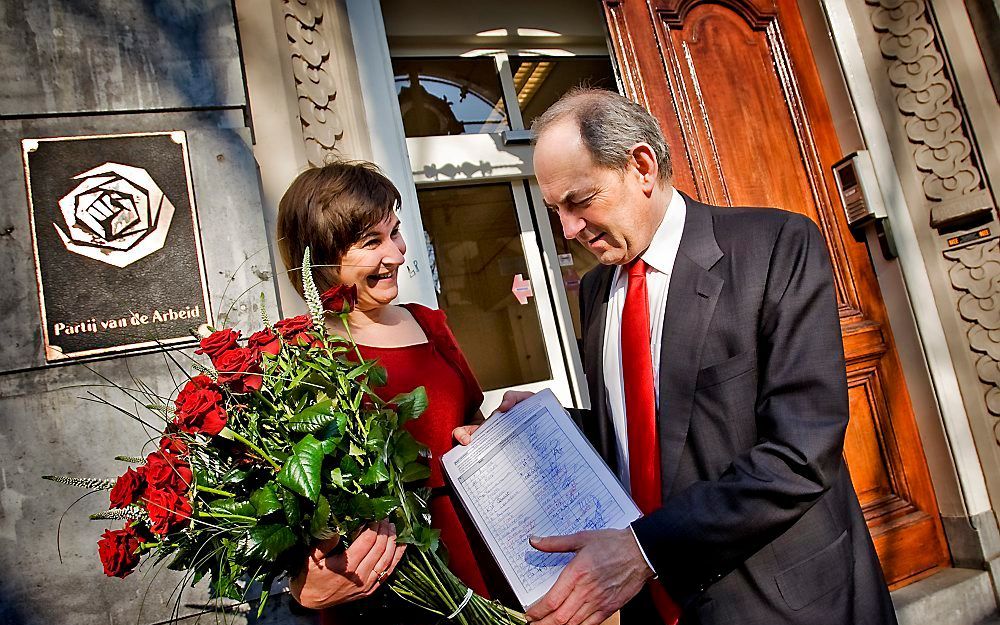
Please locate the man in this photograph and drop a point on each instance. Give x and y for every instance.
(712, 347)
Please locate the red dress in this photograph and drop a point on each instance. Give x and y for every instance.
(454, 398)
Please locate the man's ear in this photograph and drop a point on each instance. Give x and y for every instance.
(644, 161)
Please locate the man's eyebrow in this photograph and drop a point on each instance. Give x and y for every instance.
(584, 192)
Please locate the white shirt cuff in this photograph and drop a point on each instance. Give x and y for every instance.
(643, 552)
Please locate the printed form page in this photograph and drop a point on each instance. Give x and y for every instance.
(531, 471)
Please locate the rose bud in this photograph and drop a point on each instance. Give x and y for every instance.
(340, 299)
(239, 369)
(265, 341)
(197, 383)
(218, 343)
(167, 510)
(119, 549)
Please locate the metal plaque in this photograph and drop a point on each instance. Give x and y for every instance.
(118, 256)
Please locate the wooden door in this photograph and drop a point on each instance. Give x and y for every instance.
(736, 89)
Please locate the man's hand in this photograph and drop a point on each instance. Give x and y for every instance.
(607, 570)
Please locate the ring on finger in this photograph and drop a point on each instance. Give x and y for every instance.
(381, 576)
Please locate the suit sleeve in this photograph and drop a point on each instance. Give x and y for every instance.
(710, 527)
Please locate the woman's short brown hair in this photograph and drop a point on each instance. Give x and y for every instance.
(327, 209)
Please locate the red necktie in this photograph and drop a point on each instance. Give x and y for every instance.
(640, 413)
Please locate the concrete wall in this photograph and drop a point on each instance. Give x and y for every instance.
(106, 67)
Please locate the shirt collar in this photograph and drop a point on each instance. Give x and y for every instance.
(666, 241)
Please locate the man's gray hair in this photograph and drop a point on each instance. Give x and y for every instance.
(609, 125)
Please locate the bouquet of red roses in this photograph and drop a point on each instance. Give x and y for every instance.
(280, 443)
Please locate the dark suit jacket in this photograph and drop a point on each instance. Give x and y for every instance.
(760, 523)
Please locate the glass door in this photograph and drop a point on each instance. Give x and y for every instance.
(505, 278)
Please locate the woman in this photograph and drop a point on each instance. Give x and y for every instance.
(345, 213)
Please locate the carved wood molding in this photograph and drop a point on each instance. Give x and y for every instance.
(316, 87)
(936, 129)
(758, 13)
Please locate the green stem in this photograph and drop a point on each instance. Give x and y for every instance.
(214, 491)
(347, 329)
(260, 451)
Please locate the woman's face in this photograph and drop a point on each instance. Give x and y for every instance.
(373, 262)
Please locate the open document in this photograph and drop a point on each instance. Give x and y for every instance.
(531, 471)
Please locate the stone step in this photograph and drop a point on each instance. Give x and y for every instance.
(948, 597)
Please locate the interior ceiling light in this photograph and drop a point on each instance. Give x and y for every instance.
(536, 32)
(545, 52)
(480, 52)
(496, 32)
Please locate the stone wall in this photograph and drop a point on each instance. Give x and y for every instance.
(91, 68)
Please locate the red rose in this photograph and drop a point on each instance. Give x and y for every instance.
(340, 299)
(118, 550)
(239, 369)
(264, 341)
(167, 510)
(127, 489)
(201, 412)
(298, 331)
(218, 343)
(166, 472)
(197, 383)
(173, 445)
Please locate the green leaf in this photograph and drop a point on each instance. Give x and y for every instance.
(377, 376)
(361, 506)
(411, 405)
(360, 369)
(382, 506)
(320, 518)
(415, 471)
(407, 449)
(337, 478)
(313, 418)
(270, 541)
(265, 501)
(301, 472)
(292, 506)
(356, 451)
(334, 430)
(376, 474)
(232, 506)
(376, 435)
(421, 537)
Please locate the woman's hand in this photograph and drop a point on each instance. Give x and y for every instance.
(354, 573)
(463, 433)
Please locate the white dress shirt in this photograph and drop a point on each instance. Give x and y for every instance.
(659, 258)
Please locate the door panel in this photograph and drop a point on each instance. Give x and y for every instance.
(737, 92)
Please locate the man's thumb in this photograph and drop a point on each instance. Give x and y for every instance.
(556, 544)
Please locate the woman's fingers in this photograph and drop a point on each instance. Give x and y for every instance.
(463, 433)
(385, 563)
(370, 560)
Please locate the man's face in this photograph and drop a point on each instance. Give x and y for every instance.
(606, 210)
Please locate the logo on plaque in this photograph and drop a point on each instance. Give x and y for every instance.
(118, 255)
(116, 215)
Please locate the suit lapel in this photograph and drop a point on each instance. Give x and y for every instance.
(691, 300)
(593, 350)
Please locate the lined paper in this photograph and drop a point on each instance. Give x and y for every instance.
(531, 471)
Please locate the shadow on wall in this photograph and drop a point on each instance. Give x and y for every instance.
(177, 42)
